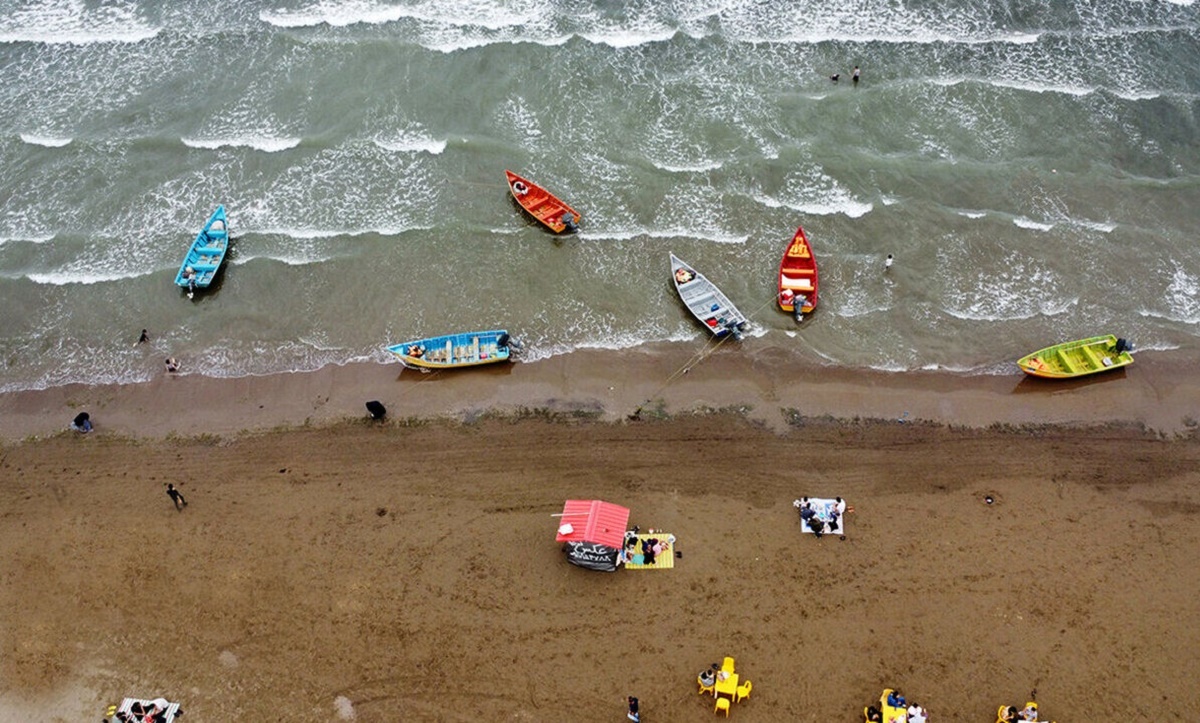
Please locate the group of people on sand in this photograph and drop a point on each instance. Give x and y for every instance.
(914, 713)
(651, 547)
(153, 712)
(710, 675)
(811, 517)
(1010, 714)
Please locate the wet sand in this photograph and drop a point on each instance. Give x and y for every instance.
(408, 570)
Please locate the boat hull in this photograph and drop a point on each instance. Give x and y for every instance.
(1079, 358)
(706, 302)
(798, 276)
(544, 206)
(206, 254)
(455, 351)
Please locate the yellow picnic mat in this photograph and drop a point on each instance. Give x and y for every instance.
(665, 560)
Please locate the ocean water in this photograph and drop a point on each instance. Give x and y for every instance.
(1033, 166)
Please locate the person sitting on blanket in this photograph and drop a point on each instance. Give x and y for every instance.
(817, 526)
(648, 550)
(916, 714)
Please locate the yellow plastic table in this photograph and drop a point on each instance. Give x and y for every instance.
(728, 686)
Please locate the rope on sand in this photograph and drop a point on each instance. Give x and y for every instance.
(706, 351)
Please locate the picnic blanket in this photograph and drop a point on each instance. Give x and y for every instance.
(662, 561)
(824, 509)
(167, 710)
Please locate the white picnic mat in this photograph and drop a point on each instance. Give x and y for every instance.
(160, 704)
(824, 508)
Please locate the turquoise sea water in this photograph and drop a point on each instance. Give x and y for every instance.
(1033, 166)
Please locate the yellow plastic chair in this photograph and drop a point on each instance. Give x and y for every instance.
(706, 688)
(727, 665)
(722, 705)
(743, 691)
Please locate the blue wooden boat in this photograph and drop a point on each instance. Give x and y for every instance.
(456, 350)
(199, 267)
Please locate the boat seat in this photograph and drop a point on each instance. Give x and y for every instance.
(796, 282)
(1067, 363)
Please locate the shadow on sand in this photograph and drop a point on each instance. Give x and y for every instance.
(1037, 385)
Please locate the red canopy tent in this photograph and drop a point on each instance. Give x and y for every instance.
(593, 533)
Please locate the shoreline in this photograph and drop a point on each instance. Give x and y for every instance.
(767, 384)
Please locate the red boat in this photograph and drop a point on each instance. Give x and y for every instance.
(543, 205)
(798, 278)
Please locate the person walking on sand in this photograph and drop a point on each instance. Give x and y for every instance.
(854, 76)
(176, 497)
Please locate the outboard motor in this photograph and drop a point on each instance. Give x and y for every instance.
(504, 340)
(568, 220)
(1123, 345)
(798, 308)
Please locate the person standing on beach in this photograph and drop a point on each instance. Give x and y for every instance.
(634, 715)
(854, 76)
(176, 497)
(887, 263)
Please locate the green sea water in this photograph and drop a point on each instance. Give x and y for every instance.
(1034, 167)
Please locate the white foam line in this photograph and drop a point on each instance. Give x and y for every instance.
(75, 37)
(260, 143)
(1029, 223)
(26, 239)
(46, 141)
(63, 278)
(412, 145)
(322, 233)
(699, 167)
(288, 260)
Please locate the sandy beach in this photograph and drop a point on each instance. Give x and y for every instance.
(327, 566)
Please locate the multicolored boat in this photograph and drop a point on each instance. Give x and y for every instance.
(1078, 358)
(798, 278)
(205, 255)
(469, 349)
(706, 302)
(543, 205)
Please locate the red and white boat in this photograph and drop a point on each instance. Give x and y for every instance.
(798, 278)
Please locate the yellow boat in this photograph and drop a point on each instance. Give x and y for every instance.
(1078, 358)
